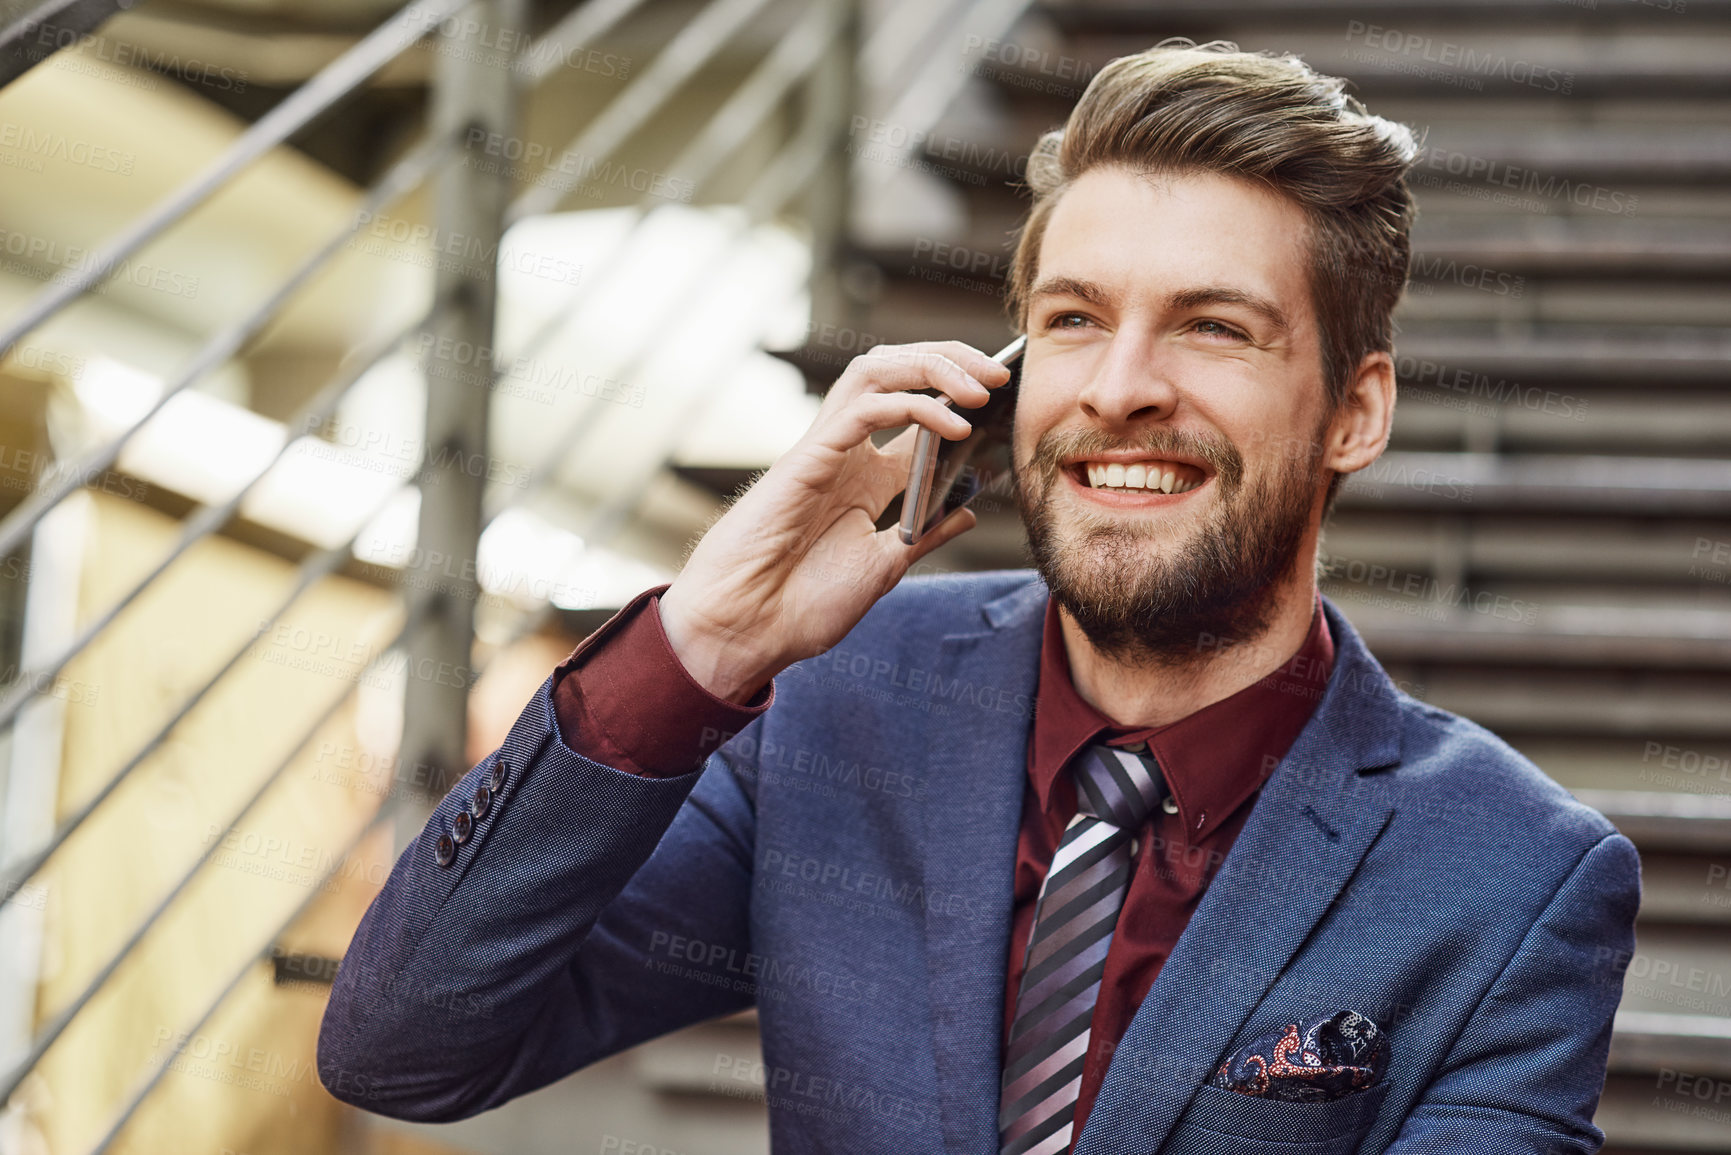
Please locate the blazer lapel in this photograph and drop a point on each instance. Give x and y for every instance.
(1310, 827)
(977, 757)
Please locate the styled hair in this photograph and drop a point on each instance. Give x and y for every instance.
(1181, 107)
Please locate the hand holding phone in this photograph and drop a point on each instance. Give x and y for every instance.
(947, 475)
(797, 560)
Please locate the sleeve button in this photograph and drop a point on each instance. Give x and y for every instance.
(446, 850)
(462, 826)
(496, 781)
(478, 804)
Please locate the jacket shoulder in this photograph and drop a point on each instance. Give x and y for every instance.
(1457, 762)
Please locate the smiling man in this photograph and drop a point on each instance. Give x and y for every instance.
(1140, 851)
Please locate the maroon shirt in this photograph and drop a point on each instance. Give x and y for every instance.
(632, 706)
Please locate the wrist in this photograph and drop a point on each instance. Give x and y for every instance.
(713, 657)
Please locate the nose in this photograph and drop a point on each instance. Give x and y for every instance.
(1131, 385)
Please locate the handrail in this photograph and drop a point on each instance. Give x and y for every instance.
(316, 567)
(335, 81)
(385, 813)
(690, 49)
(785, 176)
(580, 26)
(923, 102)
(208, 520)
(793, 59)
(63, 1018)
(403, 176)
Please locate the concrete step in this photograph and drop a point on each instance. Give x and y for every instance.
(1549, 483)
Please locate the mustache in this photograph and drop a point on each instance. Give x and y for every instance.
(1055, 445)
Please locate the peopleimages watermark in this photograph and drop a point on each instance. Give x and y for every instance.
(537, 164)
(225, 1061)
(1032, 69)
(49, 39)
(74, 260)
(24, 894)
(463, 37)
(1692, 988)
(958, 266)
(1711, 561)
(1696, 771)
(1480, 393)
(18, 466)
(40, 144)
(537, 379)
(955, 157)
(786, 1089)
(1489, 175)
(1389, 587)
(1458, 64)
(729, 968)
(421, 244)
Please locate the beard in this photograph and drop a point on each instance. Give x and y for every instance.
(1143, 604)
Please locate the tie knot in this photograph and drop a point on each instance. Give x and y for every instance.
(1117, 785)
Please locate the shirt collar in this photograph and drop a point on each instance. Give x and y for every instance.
(1212, 759)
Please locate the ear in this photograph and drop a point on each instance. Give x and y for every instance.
(1358, 432)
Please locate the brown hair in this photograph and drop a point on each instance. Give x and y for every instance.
(1182, 107)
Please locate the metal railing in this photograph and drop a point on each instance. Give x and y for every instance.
(465, 98)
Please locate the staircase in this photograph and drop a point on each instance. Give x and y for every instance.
(1546, 548)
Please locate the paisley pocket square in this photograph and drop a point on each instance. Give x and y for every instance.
(1309, 1062)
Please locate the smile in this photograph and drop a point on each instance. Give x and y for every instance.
(1149, 475)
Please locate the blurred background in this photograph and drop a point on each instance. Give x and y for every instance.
(359, 360)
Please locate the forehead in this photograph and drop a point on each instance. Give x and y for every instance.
(1147, 236)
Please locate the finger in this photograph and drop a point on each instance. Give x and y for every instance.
(896, 368)
(953, 526)
(979, 365)
(872, 412)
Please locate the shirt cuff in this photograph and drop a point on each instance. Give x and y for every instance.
(624, 699)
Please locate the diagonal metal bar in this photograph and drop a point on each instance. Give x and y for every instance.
(207, 521)
(793, 59)
(49, 1034)
(340, 77)
(581, 26)
(937, 84)
(690, 49)
(403, 176)
(56, 17)
(315, 568)
(785, 177)
(768, 193)
(385, 813)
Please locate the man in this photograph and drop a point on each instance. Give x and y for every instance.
(1142, 853)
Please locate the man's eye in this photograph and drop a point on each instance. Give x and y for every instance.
(1218, 329)
(1067, 321)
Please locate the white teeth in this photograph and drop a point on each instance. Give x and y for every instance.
(1155, 478)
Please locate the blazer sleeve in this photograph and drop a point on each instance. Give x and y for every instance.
(560, 931)
(1526, 1073)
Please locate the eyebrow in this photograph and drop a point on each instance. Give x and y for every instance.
(1090, 291)
(1095, 293)
(1224, 295)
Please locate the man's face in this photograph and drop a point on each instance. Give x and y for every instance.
(1168, 433)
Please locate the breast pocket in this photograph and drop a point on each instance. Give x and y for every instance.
(1219, 1121)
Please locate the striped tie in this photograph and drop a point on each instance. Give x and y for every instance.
(1116, 789)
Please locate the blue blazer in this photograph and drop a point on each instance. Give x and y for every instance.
(844, 863)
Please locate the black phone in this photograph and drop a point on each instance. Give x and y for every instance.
(947, 475)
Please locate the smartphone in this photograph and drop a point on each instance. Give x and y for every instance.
(947, 475)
